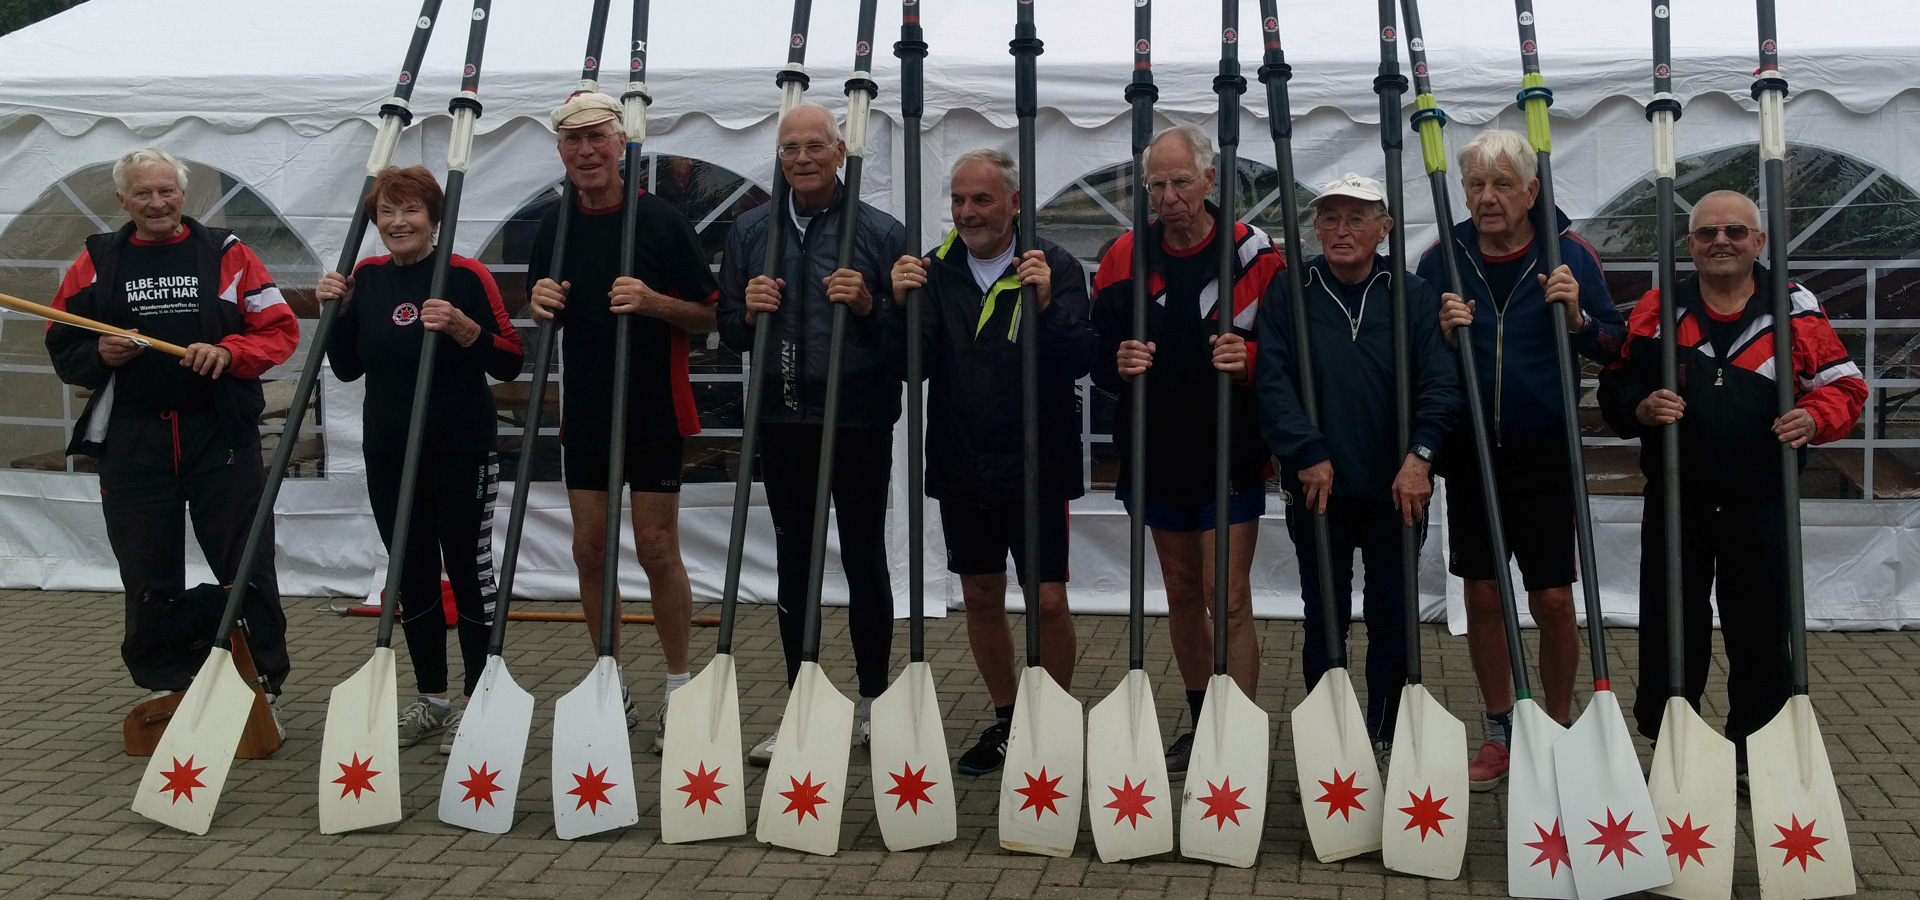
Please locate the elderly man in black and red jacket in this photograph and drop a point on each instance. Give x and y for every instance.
(1732, 505)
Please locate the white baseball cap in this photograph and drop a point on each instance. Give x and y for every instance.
(1359, 187)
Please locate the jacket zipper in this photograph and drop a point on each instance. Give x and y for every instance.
(1353, 321)
(1499, 342)
(799, 373)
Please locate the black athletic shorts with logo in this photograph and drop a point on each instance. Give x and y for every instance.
(1536, 510)
(979, 539)
(651, 468)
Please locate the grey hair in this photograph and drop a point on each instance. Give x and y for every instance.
(1193, 136)
(1693, 218)
(1009, 167)
(146, 156)
(833, 124)
(1490, 146)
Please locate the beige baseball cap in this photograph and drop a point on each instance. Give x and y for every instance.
(584, 109)
(1351, 185)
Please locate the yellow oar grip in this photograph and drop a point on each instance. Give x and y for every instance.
(1432, 150)
(1539, 132)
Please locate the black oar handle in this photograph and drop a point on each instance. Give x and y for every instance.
(1392, 86)
(596, 42)
(1663, 111)
(395, 114)
(1025, 47)
(1275, 73)
(1228, 86)
(1141, 93)
(465, 108)
(912, 52)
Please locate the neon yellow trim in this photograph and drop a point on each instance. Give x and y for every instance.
(1432, 149)
(1006, 283)
(947, 244)
(1539, 132)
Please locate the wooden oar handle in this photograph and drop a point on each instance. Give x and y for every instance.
(66, 318)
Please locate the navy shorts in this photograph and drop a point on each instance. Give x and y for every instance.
(651, 468)
(1243, 505)
(1536, 516)
(979, 538)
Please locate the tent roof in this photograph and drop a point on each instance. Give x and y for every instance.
(234, 63)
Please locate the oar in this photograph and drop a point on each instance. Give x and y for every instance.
(482, 781)
(189, 768)
(702, 784)
(1799, 828)
(593, 787)
(66, 318)
(1691, 779)
(802, 798)
(1425, 807)
(912, 776)
(1044, 772)
(360, 749)
(1127, 776)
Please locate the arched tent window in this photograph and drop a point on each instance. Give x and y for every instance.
(36, 410)
(1092, 212)
(1854, 231)
(713, 197)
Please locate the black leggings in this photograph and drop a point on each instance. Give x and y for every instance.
(862, 466)
(452, 520)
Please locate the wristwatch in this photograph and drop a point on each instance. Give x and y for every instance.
(1423, 451)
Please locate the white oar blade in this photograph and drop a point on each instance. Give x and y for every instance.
(1128, 794)
(1799, 828)
(360, 750)
(703, 792)
(805, 791)
(189, 766)
(1613, 840)
(592, 757)
(1538, 862)
(482, 780)
(1692, 786)
(912, 775)
(1426, 807)
(1045, 769)
(1223, 805)
(1340, 785)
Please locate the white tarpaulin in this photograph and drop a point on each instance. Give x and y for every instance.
(282, 97)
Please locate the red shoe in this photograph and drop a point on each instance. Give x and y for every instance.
(1489, 767)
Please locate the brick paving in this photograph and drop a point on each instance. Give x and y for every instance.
(65, 830)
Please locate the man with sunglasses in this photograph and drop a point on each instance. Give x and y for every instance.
(810, 282)
(1732, 507)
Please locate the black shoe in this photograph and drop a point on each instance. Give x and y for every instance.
(990, 753)
(1179, 753)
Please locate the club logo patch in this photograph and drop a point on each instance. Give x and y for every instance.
(1416, 44)
(593, 63)
(406, 314)
(1661, 70)
(1230, 36)
(799, 40)
(1387, 35)
(1526, 18)
(1140, 47)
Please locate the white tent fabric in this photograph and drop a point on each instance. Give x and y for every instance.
(283, 97)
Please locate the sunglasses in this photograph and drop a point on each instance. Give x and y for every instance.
(1707, 234)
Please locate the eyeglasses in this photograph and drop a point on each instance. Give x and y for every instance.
(1331, 222)
(1707, 234)
(1181, 184)
(599, 140)
(812, 150)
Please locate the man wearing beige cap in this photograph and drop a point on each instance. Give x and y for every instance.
(670, 294)
(1352, 467)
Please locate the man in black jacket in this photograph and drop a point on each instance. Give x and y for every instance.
(1352, 467)
(811, 152)
(971, 286)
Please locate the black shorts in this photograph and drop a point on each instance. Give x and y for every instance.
(979, 539)
(651, 468)
(1536, 512)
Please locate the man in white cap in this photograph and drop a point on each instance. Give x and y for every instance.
(669, 294)
(1352, 467)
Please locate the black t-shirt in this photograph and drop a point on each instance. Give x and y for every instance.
(379, 336)
(161, 287)
(1503, 274)
(668, 258)
(1723, 332)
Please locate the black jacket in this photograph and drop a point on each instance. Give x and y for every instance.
(1353, 372)
(971, 358)
(870, 382)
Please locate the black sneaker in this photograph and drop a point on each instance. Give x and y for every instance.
(990, 753)
(1179, 753)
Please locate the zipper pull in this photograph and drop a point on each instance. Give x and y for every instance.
(1719, 376)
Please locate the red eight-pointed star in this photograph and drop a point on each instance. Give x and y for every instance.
(702, 787)
(1040, 793)
(1686, 841)
(910, 786)
(1223, 803)
(1799, 842)
(1130, 802)
(481, 785)
(1553, 849)
(1426, 813)
(1614, 838)
(592, 789)
(356, 776)
(182, 779)
(1341, 796)
(804, 798)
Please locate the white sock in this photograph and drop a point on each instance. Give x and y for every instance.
(676, 682)
(439, 702)
(866, 708)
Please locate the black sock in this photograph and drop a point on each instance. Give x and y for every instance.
(1195, 700)
(1003, 713)
(1500, 728)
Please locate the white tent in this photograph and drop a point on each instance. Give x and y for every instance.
(282, 98)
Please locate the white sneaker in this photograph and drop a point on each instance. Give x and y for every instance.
(866, 721)
(421, 720)
(452, 729)
(762, 753)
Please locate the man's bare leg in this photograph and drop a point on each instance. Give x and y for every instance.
(1189, 611)
(589, 509)
(1243, 646)
(656, 538)
(1559, 647)
(1058, 651)
(991, 635)
(1487, 645)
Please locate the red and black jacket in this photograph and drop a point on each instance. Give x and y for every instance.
(1728, 451)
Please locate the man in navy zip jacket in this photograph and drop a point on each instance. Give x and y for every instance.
(1352, 467)
(1509, 292)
